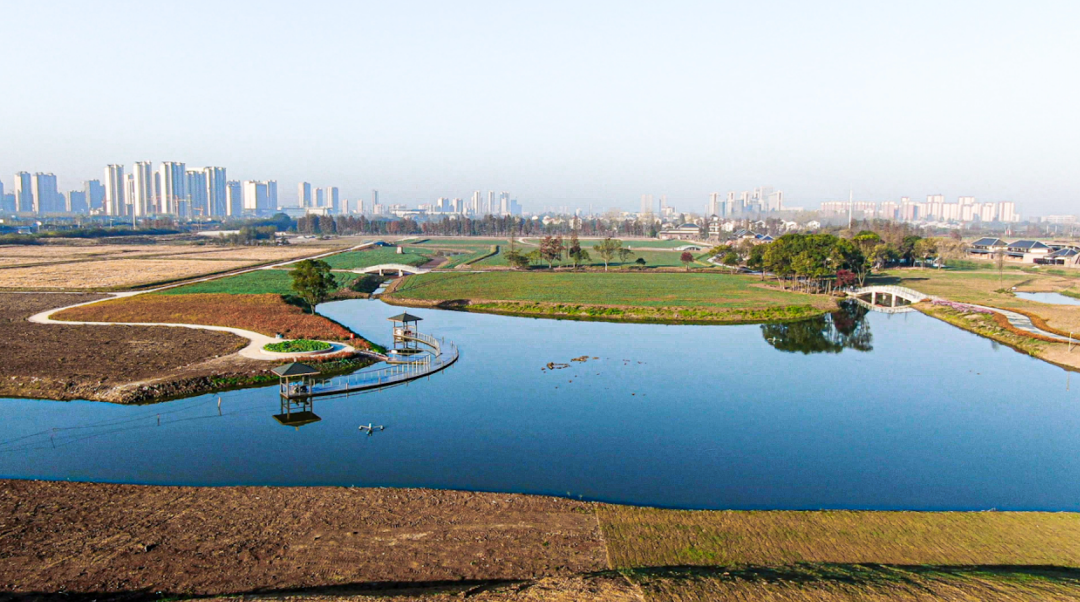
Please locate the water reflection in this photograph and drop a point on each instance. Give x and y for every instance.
(846, 328)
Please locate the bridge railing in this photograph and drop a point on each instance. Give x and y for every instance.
(891, 289)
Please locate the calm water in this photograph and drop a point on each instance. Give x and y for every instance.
(886, 412)
(1051, 298)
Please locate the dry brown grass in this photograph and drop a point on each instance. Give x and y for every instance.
(110, 273)
(860, 583)
(261, 253)
(644, 537)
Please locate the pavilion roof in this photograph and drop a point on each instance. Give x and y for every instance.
(295, 369)
(405, 317)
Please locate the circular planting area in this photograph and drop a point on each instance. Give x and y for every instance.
(297, 346)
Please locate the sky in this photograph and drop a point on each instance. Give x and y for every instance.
(561, 103)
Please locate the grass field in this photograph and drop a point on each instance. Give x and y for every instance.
(266, 314)
(637, 289)
(364, 259)
(256, 282)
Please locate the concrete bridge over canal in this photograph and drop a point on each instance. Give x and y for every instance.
(893, 299)
(391, 268)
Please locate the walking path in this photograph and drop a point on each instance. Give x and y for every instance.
(1022, 322)
(257, 341)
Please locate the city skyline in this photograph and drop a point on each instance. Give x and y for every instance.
(580, 111)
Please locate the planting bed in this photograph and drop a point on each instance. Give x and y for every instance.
(266, 314)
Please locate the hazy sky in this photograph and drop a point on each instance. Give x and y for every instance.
(561, 103)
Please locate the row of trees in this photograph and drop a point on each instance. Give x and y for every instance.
(822, 262)
(554, 250)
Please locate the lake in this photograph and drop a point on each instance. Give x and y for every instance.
(1051, 298)
(850, 411)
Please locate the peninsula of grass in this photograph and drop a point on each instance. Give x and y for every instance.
(297, 346)
(612, 296)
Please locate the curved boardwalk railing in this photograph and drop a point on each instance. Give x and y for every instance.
(443, 354)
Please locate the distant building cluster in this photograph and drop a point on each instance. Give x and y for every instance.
(965, 210)
(172, 189)
(477, 206)
(755, 202)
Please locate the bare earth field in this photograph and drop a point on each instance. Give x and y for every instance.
(110, 273)
(83, 541)
(66, 362)
(98, 266)
(118, 538)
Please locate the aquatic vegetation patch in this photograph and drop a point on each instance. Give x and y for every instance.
(297, 346)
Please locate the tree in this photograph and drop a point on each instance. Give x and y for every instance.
(925, 248)
(608, 249)
(730, 259)
(575, 252)
(999, 263)
(517, 260)
(312, 280)
(686, 258)
(551, 250)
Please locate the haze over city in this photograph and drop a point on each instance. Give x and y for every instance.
(564, 104)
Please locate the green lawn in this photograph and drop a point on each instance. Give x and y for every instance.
(369, 257)
(258, 282)
(598, 288)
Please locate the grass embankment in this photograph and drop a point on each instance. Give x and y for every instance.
(825, 556)
(354, 260)
(297, 346)
(680, 297)
(266, 314)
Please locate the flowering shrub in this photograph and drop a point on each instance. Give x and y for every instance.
(961, 306)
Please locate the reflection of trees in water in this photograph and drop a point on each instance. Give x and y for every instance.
(845, 328)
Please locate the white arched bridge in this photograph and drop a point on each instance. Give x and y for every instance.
(887, 298)
(390, 268)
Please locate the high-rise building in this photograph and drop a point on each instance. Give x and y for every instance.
(374, 201)
(142, 200)
(114, 189)
(490, 207)
(173, 175)
(504, 203)
(24, 192)
(271, 195)
(475, 203)
(47, 198)
(3, 199)
(95, 194)
(234, 199)
(1007, 212)
(319, 197)
(257, 199)
(333, 199)
(195, 186)
(76, 202)
(129, 194)
(303, 194)
(215, 191)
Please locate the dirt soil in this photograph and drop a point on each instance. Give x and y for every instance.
(107, 363)
(131, 541)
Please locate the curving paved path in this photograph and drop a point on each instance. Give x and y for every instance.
(1022, 322)
(254, 349)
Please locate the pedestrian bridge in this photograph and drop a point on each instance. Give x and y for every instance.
(887, 298)
(390, 268)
